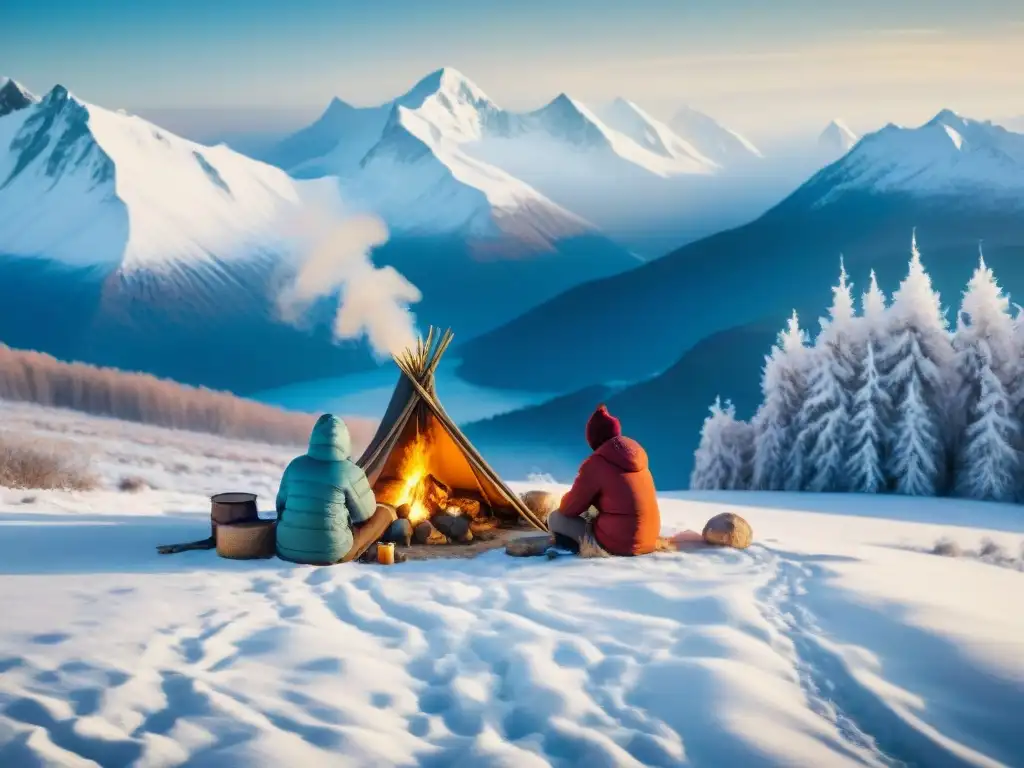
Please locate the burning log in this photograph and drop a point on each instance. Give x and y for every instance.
(426, 533)
(470, 505)
(389, 491)
(434, 494)
(484, 525)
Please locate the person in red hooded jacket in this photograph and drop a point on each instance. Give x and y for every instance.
(616, 481)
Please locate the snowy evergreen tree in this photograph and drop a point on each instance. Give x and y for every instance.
(825, 415)
(988, 435)
(870, 412)
(798, 358)
(984, 315)
(775, 424)
(873, 307)
(722, 461)
(917, 362)
(871, 407)
(1017, 390)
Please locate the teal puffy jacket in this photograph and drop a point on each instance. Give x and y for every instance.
(322, 494)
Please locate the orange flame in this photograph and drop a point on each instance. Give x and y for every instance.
(414, 469)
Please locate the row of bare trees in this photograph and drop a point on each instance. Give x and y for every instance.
(41, 379)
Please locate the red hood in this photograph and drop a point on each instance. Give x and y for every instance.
(625, 453)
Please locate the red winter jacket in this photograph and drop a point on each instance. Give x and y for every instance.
(616, 480)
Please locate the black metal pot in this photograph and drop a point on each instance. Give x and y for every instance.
(233, 507)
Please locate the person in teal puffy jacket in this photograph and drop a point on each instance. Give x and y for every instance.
(326, 509)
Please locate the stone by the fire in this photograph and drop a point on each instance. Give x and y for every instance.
(530, 545)
(399, 532)
(728, 530)
(541, 503)
(426, 533)
(455, 527)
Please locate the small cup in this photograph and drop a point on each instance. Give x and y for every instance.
(386, 554)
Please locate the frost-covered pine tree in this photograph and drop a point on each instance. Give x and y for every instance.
(1017, 390)
(783, 386)
(917, 360)
(988, 437)
(825, 414)
(870, 408)
(988, 462)
(984, 315)
(799, 360)
(722, 461)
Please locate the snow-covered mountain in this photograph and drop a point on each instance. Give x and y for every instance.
(89, 187)
(143, 250)
(407, 161)
(712, 139)
(958, 181)
(423, 179)
(562, 168)
(122, 244)
(13, 96)
(337, 142)
(947, 156)
(654, 135)
(837, 139)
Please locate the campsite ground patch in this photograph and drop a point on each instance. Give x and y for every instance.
(827, 642)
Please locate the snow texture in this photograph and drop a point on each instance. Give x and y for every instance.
(829, 642)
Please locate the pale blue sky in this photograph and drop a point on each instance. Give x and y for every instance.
(752, 63)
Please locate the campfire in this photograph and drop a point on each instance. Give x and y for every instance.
(438, 513)
(421, 463)
(413, 489)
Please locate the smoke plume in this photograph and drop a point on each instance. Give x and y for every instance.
(333, 252)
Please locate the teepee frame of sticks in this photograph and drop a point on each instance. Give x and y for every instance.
(415, 409)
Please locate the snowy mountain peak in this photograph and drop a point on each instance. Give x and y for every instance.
(712, 139)
(14, 97)
(58, 96)
(653, 135)
(93, 187)
(566, 119)
(947, 155)
(450, 84)
(947, 117)
(837, 137)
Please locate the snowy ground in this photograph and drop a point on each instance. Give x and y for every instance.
(829, 642)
